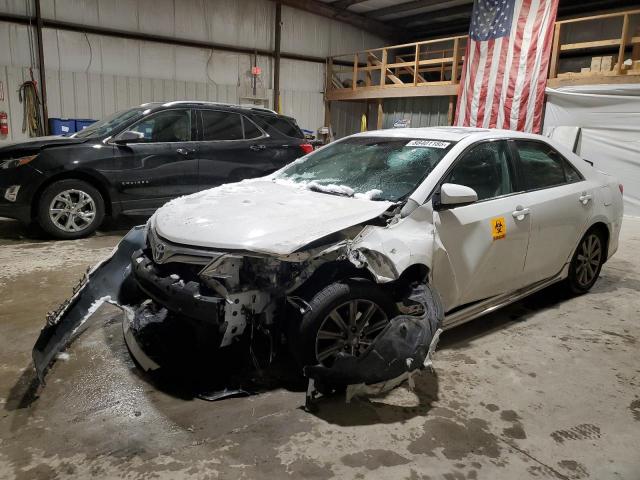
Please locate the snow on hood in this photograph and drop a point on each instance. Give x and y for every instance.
(261, 216)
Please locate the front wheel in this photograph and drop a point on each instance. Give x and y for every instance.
(344, 317)
(587, 262)
(70, 209)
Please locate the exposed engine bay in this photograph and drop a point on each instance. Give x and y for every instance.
(239, 295)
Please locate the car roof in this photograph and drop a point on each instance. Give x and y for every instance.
(245, 108)
(451, 134)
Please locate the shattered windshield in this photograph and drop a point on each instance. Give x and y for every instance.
(376, 168)
(105, 126)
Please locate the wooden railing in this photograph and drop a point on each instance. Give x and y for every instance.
(605, 56)
(432, 67)
(378, 72)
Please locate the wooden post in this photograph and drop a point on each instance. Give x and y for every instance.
(452, 109)
(367, 75)
(383, 68)
(416, 65)
(328, 75)
(355, 71)
(456, 59)
(555, 52)
(623, 43)
(380, 114)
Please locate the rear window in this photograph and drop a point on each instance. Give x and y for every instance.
(221, 126)
(278, 126)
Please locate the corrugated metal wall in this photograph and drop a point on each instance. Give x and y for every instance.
(346, 117)
(91, 76)
(420, 111)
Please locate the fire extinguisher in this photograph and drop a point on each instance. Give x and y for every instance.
(4, 124)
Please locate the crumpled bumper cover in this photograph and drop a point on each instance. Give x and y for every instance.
(110, 281)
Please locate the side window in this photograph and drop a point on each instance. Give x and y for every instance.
(541, 165)
(166, 126)
(250, 129)
(221, 125)
(485, 169)
(275, 125)
(572, 174)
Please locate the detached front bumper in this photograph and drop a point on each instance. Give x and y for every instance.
(174, 293)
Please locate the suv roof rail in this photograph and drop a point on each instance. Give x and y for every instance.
(222, 104)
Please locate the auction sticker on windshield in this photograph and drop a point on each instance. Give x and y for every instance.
(427, 143)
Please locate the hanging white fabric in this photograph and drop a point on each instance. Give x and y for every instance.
(607, 118)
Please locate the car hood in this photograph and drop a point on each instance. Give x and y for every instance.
(260, 216)
(35, 144)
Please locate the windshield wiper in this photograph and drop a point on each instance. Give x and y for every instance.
(337, 190)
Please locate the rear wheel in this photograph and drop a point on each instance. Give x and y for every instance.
(70, 209)
(587, 262)
(344, 317)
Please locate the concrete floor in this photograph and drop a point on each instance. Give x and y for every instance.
(546, 388)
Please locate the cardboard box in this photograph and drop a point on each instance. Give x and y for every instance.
(606, 63)
(596, 64)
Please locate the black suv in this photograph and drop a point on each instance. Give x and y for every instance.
(135, 160)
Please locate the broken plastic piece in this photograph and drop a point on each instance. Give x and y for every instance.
(110, 281)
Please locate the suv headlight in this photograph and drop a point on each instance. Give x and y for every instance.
(16, 162)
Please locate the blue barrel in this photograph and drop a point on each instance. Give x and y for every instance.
(62, 126)
(82, 123)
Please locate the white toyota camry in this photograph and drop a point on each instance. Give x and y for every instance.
(373, 230)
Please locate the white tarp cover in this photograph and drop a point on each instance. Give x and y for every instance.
(609, 120)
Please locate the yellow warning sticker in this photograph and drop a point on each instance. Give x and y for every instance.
(498, 228)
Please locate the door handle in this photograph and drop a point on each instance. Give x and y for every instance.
(257, 148)
(519, 213)
(585, 198)
(185, 151)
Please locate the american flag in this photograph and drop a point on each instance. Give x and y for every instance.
(505, 69)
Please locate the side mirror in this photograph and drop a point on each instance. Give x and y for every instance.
(452, 194)
(128, 136)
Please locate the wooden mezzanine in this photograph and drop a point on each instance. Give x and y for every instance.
(433, 67)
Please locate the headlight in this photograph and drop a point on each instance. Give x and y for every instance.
(16, 162)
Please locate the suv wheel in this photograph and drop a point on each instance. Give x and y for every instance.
(70, 209)
(586, 263)
(344, 317)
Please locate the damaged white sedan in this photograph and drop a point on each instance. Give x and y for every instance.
(357, 254)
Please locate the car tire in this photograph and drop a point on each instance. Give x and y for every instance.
(338, 298)
(70, 209)
(587, 262)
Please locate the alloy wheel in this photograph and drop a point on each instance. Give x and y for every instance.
(588, 259)
(350, 327)
(72, 210)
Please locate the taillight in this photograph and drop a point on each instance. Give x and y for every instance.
(306, 148)
(621, 187)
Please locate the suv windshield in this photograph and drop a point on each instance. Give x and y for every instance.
(112, 122)
(372, 167)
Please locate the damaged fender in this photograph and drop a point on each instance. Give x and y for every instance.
(110, 281)
(404, 346)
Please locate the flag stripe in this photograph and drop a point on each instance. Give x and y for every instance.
(505, 69)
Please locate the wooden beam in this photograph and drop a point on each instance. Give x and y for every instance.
(555, 52)
(623, 43)
(456, 60)
(598, 17)
(592, 80)
(593, 44)
(329, 11)
(355, 71)
(434, 89)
